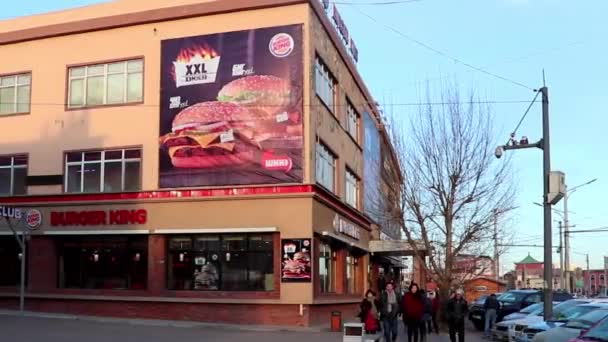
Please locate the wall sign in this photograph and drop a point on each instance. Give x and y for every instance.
(344, 227)
(295, 265)
(99, 217)
(33, 217)
(341, 28)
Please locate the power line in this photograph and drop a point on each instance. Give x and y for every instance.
(443, 54)
(376, 3)
(526, 113)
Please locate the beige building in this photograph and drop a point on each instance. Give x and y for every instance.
(200, 160)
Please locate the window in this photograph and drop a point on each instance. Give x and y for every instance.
(13, 175)
(106, 84)
(15, 93)
(326, 167)
(103, 262)
(351, 273)
(10, 259)
(325, 84)
(327, 271)
(352, 121)
(352, 189)
(227, 262)
(103, 171)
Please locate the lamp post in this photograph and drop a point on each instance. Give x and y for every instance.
(567, 233)
(545, 145)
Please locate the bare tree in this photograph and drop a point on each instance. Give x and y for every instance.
(452, 185)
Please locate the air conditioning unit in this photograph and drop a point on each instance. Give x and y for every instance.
(557, 187)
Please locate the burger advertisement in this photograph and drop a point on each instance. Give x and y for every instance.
(295, 265)
(231, 108)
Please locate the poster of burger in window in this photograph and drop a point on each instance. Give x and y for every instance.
(231, 108)
(295, 265)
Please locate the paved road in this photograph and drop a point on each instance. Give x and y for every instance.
(29, 329)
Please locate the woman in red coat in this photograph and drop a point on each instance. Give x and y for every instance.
(413, 310)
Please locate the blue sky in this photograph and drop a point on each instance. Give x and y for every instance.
(512, 38)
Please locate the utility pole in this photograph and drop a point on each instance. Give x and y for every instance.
(496, 255)
(567, 242)
(561, 258)
(588, 276)
(548, 262)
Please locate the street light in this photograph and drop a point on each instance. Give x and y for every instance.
(566, 230)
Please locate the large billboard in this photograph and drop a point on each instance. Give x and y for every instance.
(232, 108)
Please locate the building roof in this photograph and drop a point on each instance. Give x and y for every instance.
(528, 260)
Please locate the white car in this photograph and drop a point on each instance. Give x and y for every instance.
(503, 330)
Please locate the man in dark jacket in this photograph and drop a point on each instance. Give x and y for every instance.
(389, 310)
(457, 312)
(491, 305)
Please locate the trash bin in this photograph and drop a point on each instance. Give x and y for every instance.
(336, 321)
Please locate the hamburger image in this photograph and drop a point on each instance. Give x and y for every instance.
(270, 98)
(213, 134)
(266, 94)
(298, 267)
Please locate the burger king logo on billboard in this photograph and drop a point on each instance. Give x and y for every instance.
(33, 218)
(281, 45)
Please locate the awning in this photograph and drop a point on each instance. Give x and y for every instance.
(394, 247)
(345, 240)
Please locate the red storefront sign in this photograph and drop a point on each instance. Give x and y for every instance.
(99, 217)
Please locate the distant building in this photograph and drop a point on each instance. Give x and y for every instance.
(594, 281)
(467, 267)
(482, 286)
(529, 273)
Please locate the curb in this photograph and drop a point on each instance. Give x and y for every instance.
(164, 323)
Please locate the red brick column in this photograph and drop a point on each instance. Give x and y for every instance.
(42, 264)
(157, 264)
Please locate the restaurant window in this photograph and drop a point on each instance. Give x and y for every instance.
(352, 121)
(106, 84)
(13, 175)
(10, 259)
(103, 171)
(327, 270)
(326, 167)
(227, 262)
(15, 93)
(351, 273)
(325, 84)
(352, 189)
(103, 262)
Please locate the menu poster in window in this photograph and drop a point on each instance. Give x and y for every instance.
(232, 108)
(296, 264)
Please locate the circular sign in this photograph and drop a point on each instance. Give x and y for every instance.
(281, 45)
(33, 218)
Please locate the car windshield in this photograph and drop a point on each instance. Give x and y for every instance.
(512, 297)
(599, 332)
(560, 308)
(533, 309)
(587, 320)
(574, 312)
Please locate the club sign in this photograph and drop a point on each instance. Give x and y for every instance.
(32, 217)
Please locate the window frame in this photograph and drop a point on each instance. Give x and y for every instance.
(320, 146)
(331, 276)
(351, 110)
(349, 174)
(330, 82)
(105, 63)
(12, 167)
(16, 86)
(102, 161)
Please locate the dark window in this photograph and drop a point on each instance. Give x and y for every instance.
(10, 259)
(13, 175)
(103, 262)
(227, 262)
(327, 269)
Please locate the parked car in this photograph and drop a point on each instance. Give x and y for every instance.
(511, 302)
(501, 330)
(598, 332)
(561, 319)
(515, 329)
(573, 328)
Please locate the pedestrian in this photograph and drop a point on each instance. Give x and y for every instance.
(413, 310)
(457, 312)
(389, 312)
(381, 282)
(491, 306)
(435, 311)
(369, 312)
(427, 316)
